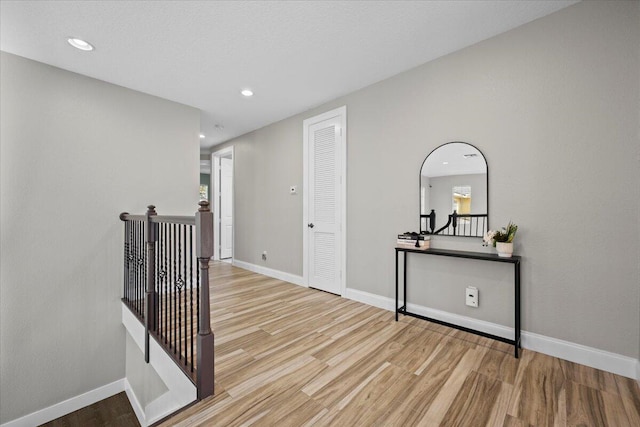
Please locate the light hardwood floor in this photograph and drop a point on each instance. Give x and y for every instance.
(291, 356)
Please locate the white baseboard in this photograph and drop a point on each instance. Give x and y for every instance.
(135, 404)
(276, 274)
(370, 299)
(68, 406)
(577, 353)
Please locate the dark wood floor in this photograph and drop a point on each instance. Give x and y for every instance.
(115, 411)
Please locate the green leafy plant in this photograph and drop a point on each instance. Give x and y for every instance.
(505, 235)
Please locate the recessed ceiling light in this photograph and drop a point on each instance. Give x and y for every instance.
(202, 136)
(246, 92)
(79, 44)
(445, 163)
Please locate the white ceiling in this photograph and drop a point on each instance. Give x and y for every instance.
(294, 55)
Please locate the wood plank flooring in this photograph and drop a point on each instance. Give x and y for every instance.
(291, 356)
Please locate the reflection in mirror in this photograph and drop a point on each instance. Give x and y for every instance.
(453, 191)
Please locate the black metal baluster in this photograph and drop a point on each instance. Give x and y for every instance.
(126, 261)
(137, 267)
(134, 265)
(169, 282)
(175, 309)
(191, 290)
(133, 262)
(160, 270)
(198, 297)
(125, 268)
(141, 262)
(166, 281)
(143, 247)
(186, 312)
(156, 283)
(179, 286)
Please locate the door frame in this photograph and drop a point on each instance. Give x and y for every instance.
(215, 185)
(342, 233)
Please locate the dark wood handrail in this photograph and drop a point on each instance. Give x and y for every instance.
(160, 219)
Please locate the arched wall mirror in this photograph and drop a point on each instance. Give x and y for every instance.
(454, 196)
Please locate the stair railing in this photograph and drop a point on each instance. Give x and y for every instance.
(166, 285)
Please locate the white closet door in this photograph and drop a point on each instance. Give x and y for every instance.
(324, 210)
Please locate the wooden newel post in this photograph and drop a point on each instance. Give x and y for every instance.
(151, 236)
(204, 251)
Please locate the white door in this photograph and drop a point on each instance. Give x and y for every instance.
(324, 139)
(226, 208)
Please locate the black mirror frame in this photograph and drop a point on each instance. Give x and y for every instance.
(431, 216)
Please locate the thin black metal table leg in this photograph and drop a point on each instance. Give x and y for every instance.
(396, 285)
(517, 304)
(404, 280)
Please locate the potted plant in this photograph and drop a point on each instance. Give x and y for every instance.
(502, 239)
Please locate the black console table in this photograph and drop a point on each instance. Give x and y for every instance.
(515, 260)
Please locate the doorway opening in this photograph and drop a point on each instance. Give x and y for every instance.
(222, 184)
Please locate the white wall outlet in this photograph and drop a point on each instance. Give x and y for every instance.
(264, 255)
(471, 297)
(293, 189)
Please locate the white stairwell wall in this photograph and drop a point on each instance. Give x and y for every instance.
(162, 388)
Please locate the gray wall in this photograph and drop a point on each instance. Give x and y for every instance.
(266, 217)
(553, 105)
(73, 153)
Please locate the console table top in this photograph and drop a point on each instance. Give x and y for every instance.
(515, 259)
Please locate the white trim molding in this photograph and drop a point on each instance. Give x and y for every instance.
(68, 406)
(135, 404)
(276, 274)
(589, 356)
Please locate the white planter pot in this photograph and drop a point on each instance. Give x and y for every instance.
(505, 250)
